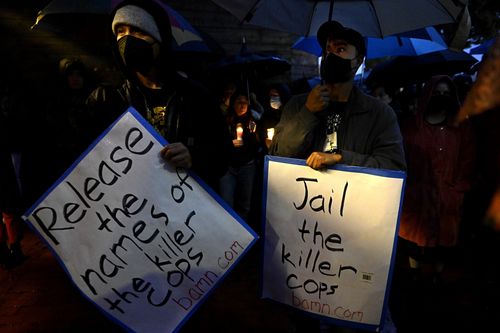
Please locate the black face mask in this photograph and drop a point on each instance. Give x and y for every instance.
(136, 53)
(440, 103)
(335, 69)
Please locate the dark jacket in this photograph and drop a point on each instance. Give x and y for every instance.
(191, 116)
(368, 136)
(249, 150)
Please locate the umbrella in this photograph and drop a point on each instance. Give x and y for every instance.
(186, 38)
(372, 18)
(403, 70)
(483, 47)
(401, 44)
(245, 66)
(253, 64)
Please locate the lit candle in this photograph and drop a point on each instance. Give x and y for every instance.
(270, 133)
(239, 132)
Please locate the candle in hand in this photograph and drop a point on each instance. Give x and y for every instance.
(239, 132)
(270, 133)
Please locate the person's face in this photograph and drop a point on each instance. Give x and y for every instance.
(340, 61)
(341, 48)
(442, 89)
(138, 50)
(274, 93)
(123, 30)
(241, 105)
(75, 80)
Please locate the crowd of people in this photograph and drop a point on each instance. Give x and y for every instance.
(223, 135)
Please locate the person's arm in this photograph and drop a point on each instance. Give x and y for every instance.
(294, 134)
(384, 150)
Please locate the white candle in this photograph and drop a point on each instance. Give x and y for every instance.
(239, 132)
(270, 133)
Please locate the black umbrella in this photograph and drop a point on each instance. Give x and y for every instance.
(403, 70)
(246, 66)
(251, 64)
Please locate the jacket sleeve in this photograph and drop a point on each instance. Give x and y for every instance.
(294, 134)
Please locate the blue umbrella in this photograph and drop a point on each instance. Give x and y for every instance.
(483, 47)
(251, 64)
(411, 43)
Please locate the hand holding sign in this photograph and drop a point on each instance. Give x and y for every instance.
(144, 240)
(329, 239)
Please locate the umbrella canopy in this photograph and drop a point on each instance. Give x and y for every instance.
(403, 70)
(483, 47)
(401, 44)
(245, 67)
(185, 37)
(251, 64)
(372, 18)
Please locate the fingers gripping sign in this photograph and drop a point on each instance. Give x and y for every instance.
(318, 160)
(177, 154)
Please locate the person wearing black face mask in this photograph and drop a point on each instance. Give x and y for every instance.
(336, 122)
(181, 110)
(440, 154)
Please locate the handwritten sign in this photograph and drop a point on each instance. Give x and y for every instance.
(142, 240)
(329, 239)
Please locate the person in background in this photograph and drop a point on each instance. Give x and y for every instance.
(238, 183)
(277, 96)
(338, 123)
(12, 147)
(440, 155)
(388, 95)
(69, 122)
(228, 90)
(181, 110)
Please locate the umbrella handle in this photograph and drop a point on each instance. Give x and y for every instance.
(330, 12)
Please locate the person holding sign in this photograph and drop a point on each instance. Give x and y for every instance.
(336, 122)
(182, 111)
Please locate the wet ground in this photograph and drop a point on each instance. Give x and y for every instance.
(38, 296)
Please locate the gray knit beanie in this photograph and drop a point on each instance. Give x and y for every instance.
(137, 17)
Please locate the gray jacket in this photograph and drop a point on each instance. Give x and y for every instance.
(368, 136)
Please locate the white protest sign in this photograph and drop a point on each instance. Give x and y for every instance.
(142, 240)
(329, 239)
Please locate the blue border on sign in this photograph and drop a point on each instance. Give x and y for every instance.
(341, 167)
(207, 188)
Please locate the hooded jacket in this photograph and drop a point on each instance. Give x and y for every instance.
(192, 115)
(440, 162)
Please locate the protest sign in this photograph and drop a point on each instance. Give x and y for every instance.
(329, 241)
(144, 241)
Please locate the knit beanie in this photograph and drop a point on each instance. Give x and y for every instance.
(137, 17)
